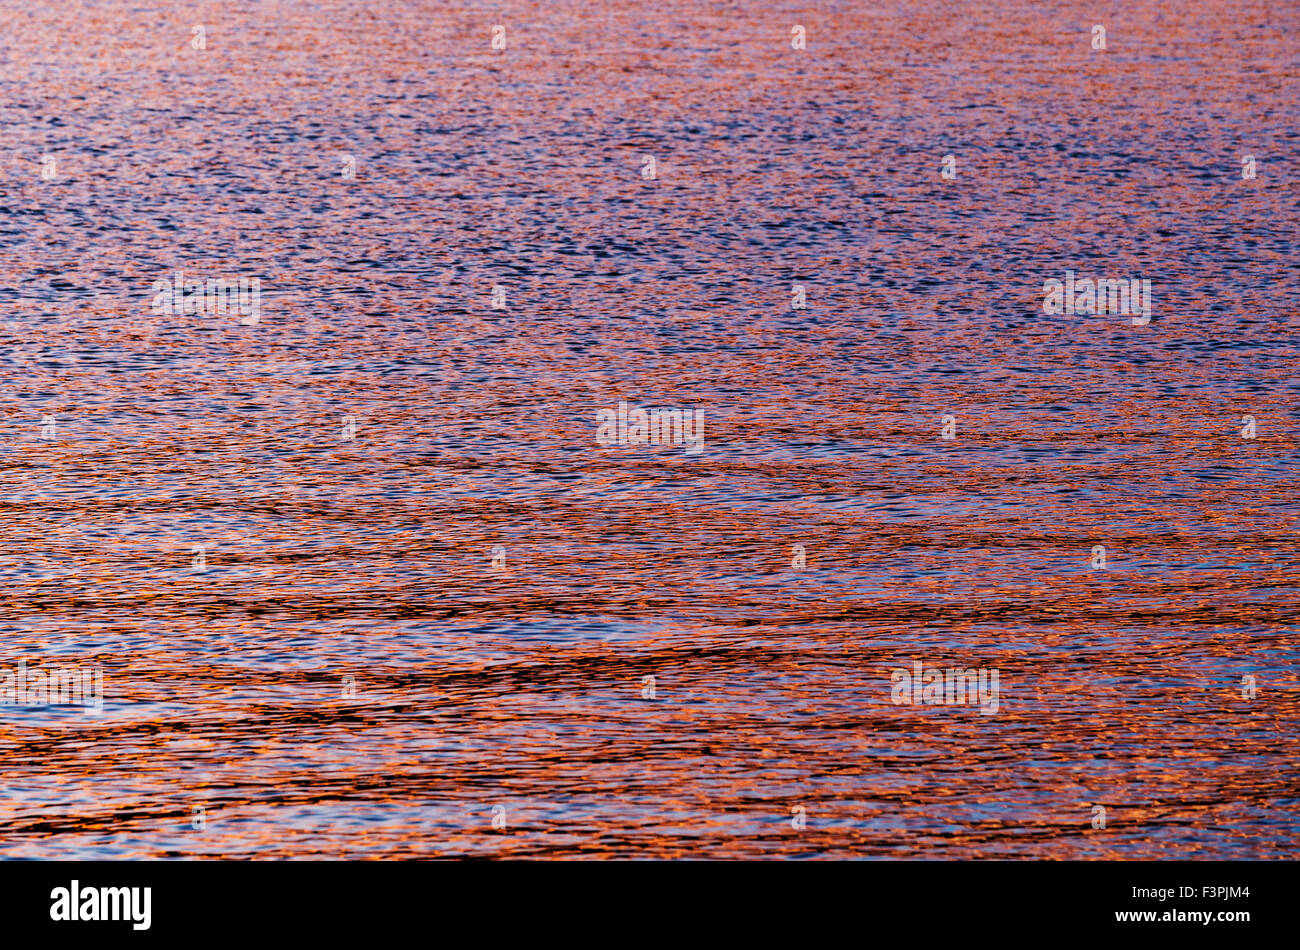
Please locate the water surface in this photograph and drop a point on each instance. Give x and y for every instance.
(351, 676)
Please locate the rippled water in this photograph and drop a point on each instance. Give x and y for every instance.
(351, 675)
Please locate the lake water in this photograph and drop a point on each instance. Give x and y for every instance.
(359, 577)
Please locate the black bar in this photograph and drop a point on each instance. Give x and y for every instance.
(1015, 901)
